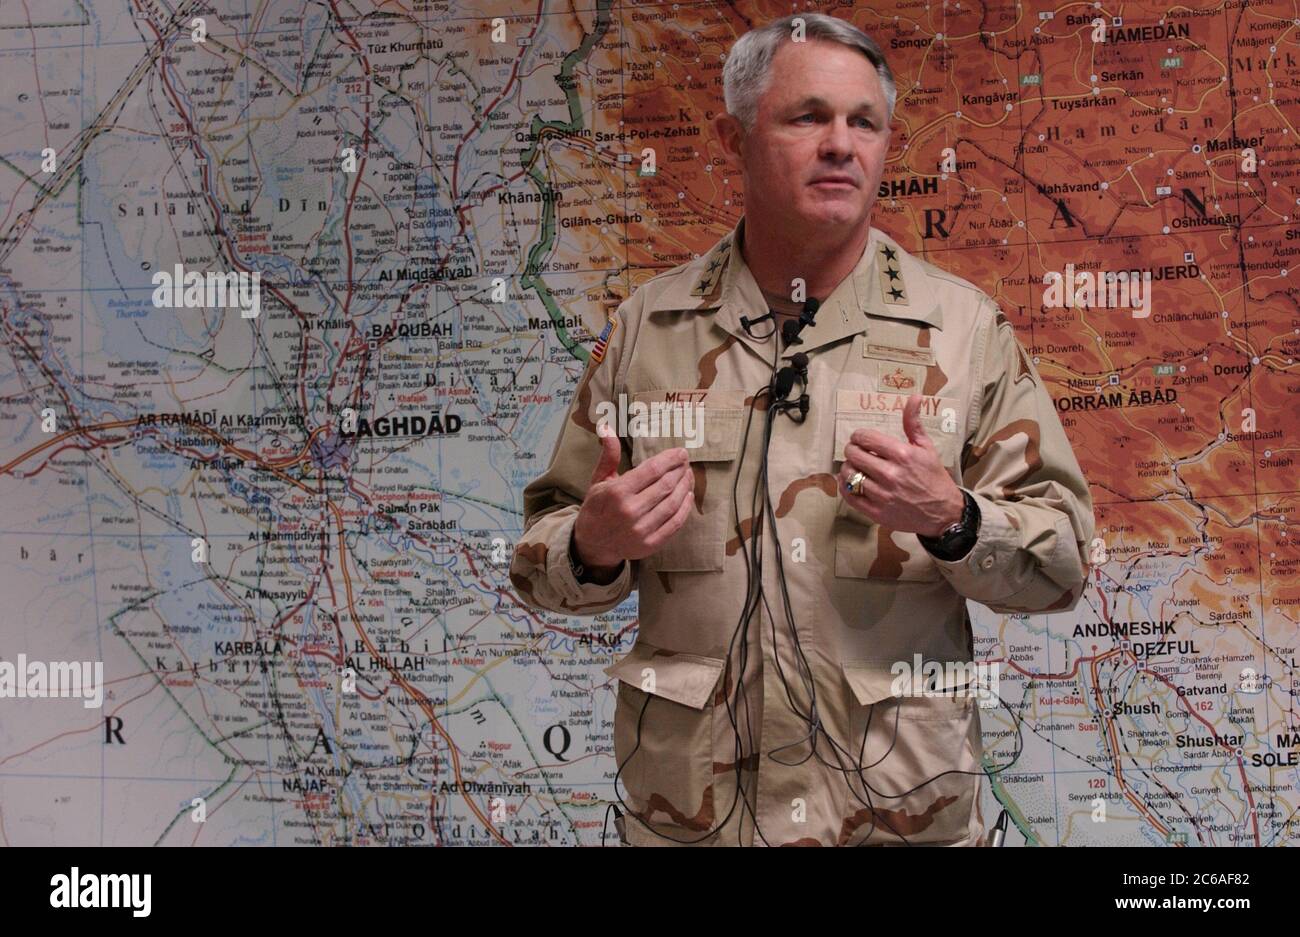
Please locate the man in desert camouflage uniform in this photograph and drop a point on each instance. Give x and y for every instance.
(915, 380)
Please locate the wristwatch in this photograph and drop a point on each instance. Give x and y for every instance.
(956, 539)
(578, 569)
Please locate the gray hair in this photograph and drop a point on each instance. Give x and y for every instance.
(748, 70)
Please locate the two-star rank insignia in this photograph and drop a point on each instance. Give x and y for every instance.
(892, 290)
(712, 275)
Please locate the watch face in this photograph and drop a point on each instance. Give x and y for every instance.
(957, 545)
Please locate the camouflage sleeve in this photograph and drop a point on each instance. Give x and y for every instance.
(540, 569)
(1036, 518)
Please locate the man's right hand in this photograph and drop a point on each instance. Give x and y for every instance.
(629, 517)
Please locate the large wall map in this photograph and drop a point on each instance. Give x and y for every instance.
(286, 535)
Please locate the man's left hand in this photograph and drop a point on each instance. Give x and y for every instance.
(906, 485)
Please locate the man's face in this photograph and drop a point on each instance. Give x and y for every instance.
(813, 159)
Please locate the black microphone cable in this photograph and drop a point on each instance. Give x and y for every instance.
(781, 385)
(761, 509)
(813, 719)
(753, 591)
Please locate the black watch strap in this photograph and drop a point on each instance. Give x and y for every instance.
(957, 540)
(579, 571)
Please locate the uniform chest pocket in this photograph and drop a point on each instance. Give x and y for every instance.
(863, 548)
(941, 417)
(711, 439)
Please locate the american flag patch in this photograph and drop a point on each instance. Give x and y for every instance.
(602, 340)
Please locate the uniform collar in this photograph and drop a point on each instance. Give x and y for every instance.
(887, 282)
